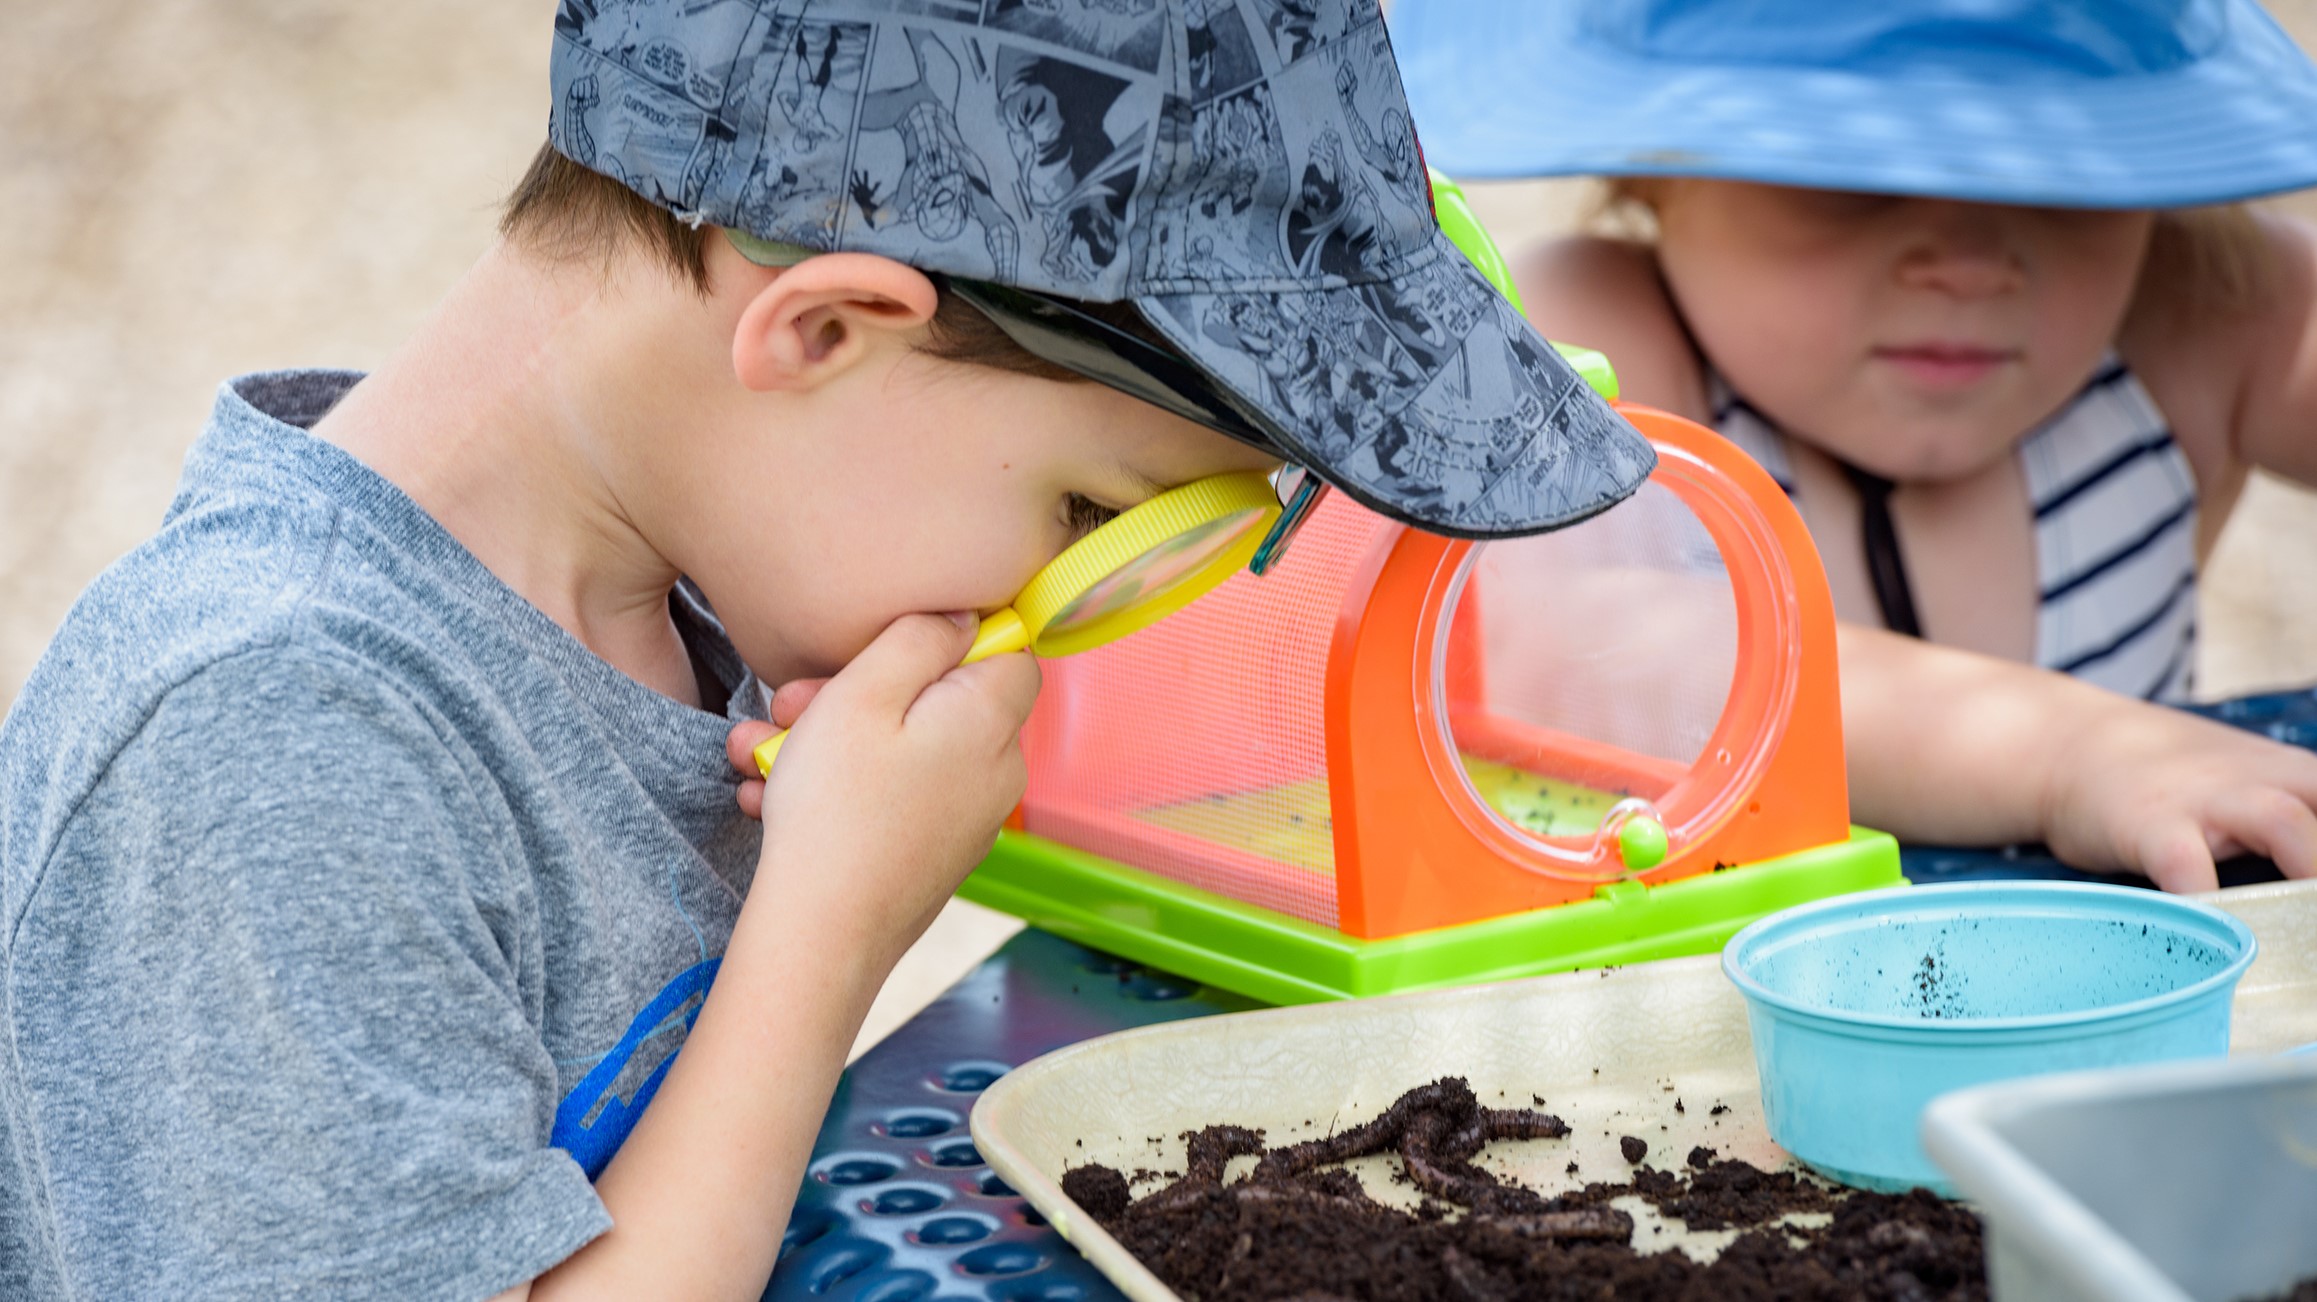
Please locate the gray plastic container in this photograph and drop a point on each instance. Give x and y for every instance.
(2181, 1182)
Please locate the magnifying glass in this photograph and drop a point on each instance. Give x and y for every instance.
(1149, 562)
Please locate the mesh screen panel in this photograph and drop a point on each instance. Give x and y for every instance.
(1195, 748)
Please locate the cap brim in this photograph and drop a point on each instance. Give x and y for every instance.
(1511, 88)
(1426, 397)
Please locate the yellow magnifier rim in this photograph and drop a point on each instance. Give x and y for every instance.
(1183, 512)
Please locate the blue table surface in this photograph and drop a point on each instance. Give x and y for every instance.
(898, 1206)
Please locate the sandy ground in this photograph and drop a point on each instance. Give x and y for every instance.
(192, 189)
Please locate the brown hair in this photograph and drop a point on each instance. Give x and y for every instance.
(564, 211)
(2201, 259)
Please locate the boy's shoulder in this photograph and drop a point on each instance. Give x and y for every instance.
(274, 540)
(284, 571)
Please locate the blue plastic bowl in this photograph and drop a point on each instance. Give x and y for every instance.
(1866, 1007)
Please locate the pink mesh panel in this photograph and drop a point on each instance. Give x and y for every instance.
(1195, 749)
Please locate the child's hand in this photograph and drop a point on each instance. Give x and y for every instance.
(2165, 794)
(893, 784)
(1950, 747)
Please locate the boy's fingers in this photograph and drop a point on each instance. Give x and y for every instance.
(2271, 822)
(1011, 682)
(906, 658)
(751, 798)
(740, 744)
(2177, 858)
(789, 702)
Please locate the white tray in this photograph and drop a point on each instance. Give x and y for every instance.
(1610, 1052)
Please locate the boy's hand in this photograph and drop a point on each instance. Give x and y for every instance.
(893, 784)
(2155, 791)
(788, 705)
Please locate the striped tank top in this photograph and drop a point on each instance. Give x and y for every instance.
(2115, 533)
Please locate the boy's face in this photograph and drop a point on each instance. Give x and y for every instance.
(911, 484)
(1917, 338)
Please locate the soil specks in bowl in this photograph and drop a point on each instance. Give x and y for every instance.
(1950, 968)
(1938, 991)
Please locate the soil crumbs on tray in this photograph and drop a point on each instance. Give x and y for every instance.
(1301, 1227)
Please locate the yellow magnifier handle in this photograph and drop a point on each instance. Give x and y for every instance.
(999, 634)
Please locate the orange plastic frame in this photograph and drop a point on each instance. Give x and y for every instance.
(1415, 847)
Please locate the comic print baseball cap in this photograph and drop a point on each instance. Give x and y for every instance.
(1243, 171)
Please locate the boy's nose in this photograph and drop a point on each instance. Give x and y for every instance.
(1961, 250)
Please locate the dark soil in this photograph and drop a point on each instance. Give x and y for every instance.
(1300, 1227)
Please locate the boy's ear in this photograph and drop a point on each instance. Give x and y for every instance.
(817, 318)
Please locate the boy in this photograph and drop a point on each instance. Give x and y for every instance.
(368, 841)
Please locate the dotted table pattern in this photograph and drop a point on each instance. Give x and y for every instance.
(898, 1207)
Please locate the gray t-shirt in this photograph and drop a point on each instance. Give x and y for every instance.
(350, 909)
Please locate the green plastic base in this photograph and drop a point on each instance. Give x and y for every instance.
(1284, 960)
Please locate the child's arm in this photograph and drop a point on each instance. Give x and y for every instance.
(1954, 748)
(2279, 428)
(2276, 400)
(887, 795)
(1608, 295)
(2238, 382)
(1950, 747)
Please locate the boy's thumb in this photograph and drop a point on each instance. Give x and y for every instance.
(913, 651)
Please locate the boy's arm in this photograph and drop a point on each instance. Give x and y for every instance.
(1953, 748)
(888, 793)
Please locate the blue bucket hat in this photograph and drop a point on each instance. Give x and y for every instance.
(2062, 103)
(1242, 171)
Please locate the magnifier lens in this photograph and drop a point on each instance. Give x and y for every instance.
(1156, 572)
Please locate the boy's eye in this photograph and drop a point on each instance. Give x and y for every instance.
(1084, 515)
